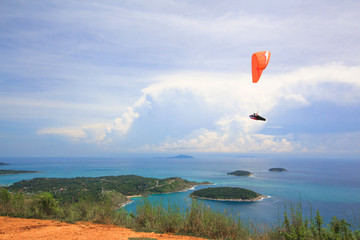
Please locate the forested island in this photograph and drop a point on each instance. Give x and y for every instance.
(182, 156)
(241, 173)
(9, 172)
(227, 194)
(277, 170)
(178, 156)
(118, 188)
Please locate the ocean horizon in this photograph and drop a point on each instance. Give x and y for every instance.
(331, 186)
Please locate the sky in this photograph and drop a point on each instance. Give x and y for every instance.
(105, 78)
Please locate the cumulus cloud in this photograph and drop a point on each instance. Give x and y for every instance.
(208, 112)
(123, 123)
(96, 132)
(212, 141)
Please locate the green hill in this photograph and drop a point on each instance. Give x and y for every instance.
(74, 189)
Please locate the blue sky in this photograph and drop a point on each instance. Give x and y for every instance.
(103, 78)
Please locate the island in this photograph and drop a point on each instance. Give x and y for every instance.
(3, 163)
(277, 170)
(241, 173)
(183, 156)
(119, 188)
(227, 194)
(9, 172)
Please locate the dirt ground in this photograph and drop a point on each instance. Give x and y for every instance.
(28, 229)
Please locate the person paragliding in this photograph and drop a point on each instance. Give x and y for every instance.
(256, 116)
(259, 61)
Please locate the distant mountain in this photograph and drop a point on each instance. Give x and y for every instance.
(3, 163)
(183, 156)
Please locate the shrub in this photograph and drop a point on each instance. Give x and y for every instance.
(5, 201)
(44, 205)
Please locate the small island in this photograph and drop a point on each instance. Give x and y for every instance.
(183, 156)
(3, 163)
(227, 194)
(241, 173)
(277, 170)
(10, 172)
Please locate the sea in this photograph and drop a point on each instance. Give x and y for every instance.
(328, 185)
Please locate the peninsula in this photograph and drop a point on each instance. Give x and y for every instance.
(241, 173)
(277, 170)
(3, 163)
(227, 194)
(118, 188)
(10, 172)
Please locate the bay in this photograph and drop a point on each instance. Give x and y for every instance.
(331, 186)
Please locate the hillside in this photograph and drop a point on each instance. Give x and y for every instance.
(74, 189)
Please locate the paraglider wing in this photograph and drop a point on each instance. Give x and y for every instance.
(259, 61)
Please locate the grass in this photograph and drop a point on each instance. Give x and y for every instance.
(197, 220)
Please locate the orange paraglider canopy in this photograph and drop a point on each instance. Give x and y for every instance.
(259, 62)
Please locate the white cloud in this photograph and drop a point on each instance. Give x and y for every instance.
(123, 124)
(96, 132)
(212, 141)
(101, 132)
(208, 112)
(74, 133)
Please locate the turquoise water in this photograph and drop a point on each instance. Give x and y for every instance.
(328, 185)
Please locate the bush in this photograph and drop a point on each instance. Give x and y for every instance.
(44, 205)
(5, 201)
(13, 204)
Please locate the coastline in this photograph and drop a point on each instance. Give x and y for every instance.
(133, 196)
(128, 201)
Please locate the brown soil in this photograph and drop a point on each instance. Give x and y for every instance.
(31, 229)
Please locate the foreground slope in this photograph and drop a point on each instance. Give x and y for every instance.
(31, 229)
